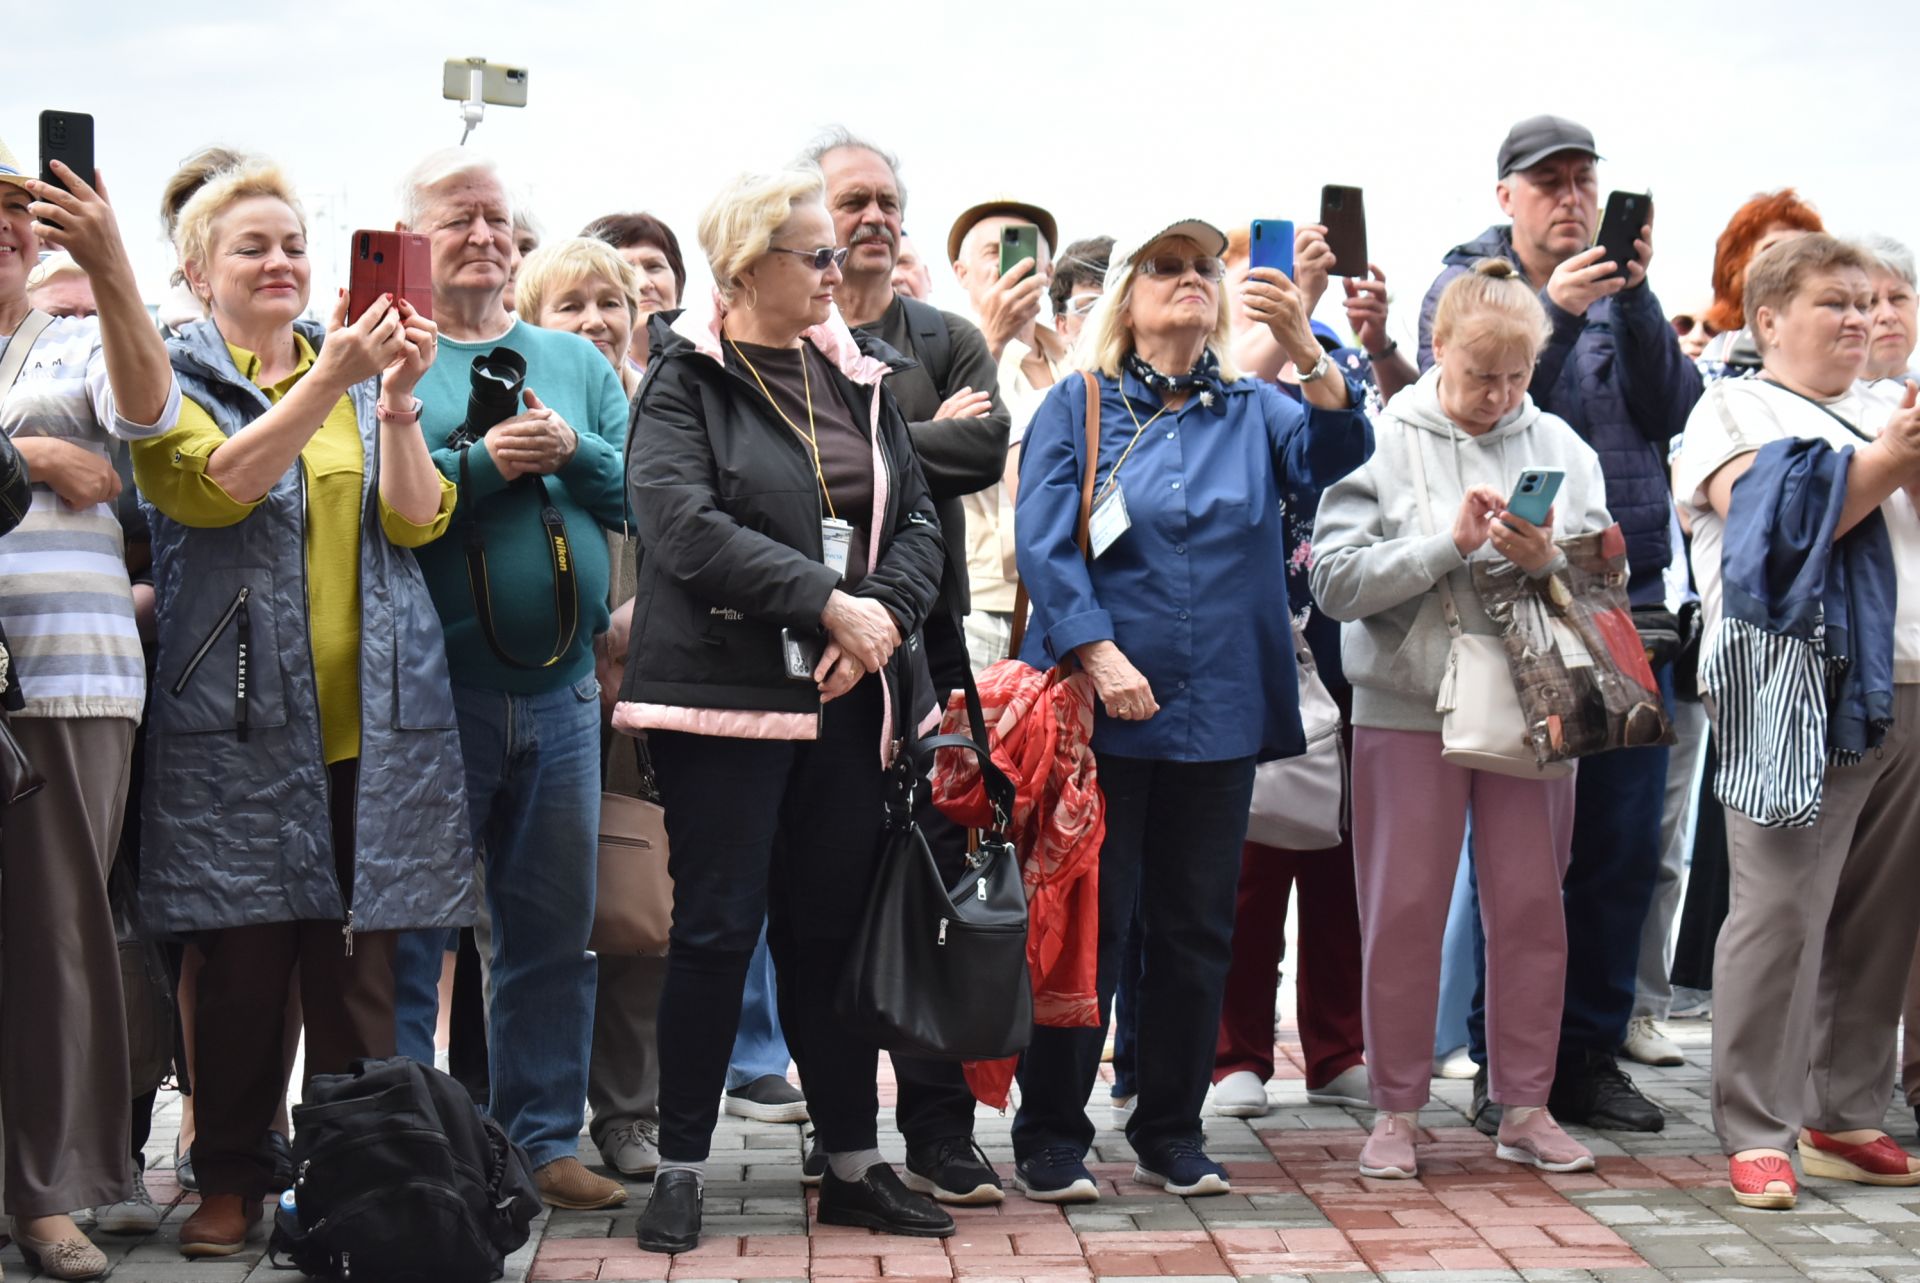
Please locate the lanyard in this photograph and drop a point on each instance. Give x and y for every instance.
(1139, 428)
(809, 434)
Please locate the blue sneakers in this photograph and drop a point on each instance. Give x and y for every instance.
(1182, 1167)
(1055, 1175)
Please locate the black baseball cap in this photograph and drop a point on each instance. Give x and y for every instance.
(1538, 137)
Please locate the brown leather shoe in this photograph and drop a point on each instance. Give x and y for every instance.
(566, 1182)
(219, 1226)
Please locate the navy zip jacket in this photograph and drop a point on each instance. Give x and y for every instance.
(1617, 375)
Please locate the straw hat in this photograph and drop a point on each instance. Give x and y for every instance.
(10, 171)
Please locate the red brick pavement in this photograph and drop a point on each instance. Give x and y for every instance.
(1468, 1211)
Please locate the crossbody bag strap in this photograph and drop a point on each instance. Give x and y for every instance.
(1082, 532)
(566, 583)
(21, 347)
(1418, 462)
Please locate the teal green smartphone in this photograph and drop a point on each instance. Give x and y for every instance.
(1018, 241)
(1534, 493)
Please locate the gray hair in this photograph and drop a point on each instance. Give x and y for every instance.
(439, 167)
(836, 137)
(1891, 255)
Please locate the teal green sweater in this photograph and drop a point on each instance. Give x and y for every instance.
(570, 377)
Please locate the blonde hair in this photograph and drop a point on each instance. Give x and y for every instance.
(1106, 338)
(738, 224)
(554, 268)
(193, 232)
(1492, 303)
(1778, 275)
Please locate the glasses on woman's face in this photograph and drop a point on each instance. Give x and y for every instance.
(1082, 304)
(1207, 266)
(1683, 325)
(818, 259)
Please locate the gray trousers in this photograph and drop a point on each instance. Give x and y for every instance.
(623, 1074)
(1811, 968)
(63, 1030)
(1653, 990)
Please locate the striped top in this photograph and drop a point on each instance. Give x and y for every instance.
(64, 596)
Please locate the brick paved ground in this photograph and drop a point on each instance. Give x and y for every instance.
(1658, 1209)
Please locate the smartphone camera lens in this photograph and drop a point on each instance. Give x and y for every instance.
(1336, 200)
(379, 257)
(364, 242)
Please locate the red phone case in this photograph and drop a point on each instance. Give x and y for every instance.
(396, 263)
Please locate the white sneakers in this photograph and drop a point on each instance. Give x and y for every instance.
(135, 1214)
(1240, 1094)
(1352, 1088)
(633, 1150)
(1647, 1043)
(1120, 1111)
(1455, 1064)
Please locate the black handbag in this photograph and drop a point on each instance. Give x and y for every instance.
(940, 971)
(18, 780)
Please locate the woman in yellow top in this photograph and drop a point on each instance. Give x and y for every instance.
(299, 657)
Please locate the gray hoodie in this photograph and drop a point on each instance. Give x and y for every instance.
(1377, 568)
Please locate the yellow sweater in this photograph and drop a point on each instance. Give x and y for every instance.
(171, 471)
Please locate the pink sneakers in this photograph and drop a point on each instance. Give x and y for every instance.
(1537, 1141)
(1388, 1153)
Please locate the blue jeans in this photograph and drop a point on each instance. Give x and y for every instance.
(533, 792)
(759, 1048)
(1461, 958)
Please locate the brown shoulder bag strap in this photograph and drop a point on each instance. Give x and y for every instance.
(1082, 534)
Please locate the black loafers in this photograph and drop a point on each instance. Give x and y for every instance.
(671, 1222)
(878, 1201)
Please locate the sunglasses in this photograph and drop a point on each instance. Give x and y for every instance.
(1082, 305)
(1683, 325)
(818, 259)
(1207, 266)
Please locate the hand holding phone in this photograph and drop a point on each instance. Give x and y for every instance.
(1343, 213)
(1626, 214)
(1270, 244)
(1018, 242)
(396, 263)
(1534, 493)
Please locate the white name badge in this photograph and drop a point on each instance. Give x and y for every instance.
(836, 540)
(1109, 521)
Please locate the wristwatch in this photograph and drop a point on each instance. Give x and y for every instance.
(1319, 370)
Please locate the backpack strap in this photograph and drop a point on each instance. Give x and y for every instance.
(1082, 532)
(932, 340)
(21, 346)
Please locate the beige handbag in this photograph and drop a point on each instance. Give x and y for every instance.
(1299, 803)
(1484, 728)
(633, 903)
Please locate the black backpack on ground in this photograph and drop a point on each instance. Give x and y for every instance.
(399, 1178)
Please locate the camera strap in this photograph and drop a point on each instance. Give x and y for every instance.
(566, 585)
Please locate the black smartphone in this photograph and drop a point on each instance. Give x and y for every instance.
(1627, 213)
(66, 136)
(800, 653)
(1343, 212)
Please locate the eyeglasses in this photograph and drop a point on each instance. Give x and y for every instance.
(1207, 266)
(1082, 304)
(818, 259)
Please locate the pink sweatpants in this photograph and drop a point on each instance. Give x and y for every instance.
(1409, 816)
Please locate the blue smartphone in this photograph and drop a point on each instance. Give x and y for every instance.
(1534, 493)
(1270, 244)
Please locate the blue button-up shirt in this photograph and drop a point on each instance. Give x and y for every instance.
(1195, 592)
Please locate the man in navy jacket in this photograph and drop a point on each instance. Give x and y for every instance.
(1614, 371)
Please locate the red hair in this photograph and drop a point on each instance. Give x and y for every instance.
(1734, 251)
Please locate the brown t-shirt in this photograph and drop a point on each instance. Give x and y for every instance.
(846, 453)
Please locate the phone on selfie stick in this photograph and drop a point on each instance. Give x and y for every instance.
(66, 136)
(1270, 244)
(1343, 212)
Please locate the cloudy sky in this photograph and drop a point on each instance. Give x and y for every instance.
(1114, 115)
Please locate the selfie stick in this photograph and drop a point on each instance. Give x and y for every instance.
(472, 107)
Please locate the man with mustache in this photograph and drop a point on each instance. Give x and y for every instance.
(950, 396)
(1612, 369)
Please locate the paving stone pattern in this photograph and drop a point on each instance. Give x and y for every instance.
(1657, 1209)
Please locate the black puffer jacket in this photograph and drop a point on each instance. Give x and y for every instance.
(728, 512)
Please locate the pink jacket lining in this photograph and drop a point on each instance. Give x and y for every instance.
(835, 342)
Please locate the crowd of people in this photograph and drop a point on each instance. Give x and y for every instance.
(327, 638)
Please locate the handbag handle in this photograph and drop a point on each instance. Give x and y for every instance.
(999, 789)
(1448, 607)
(1083, 530)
